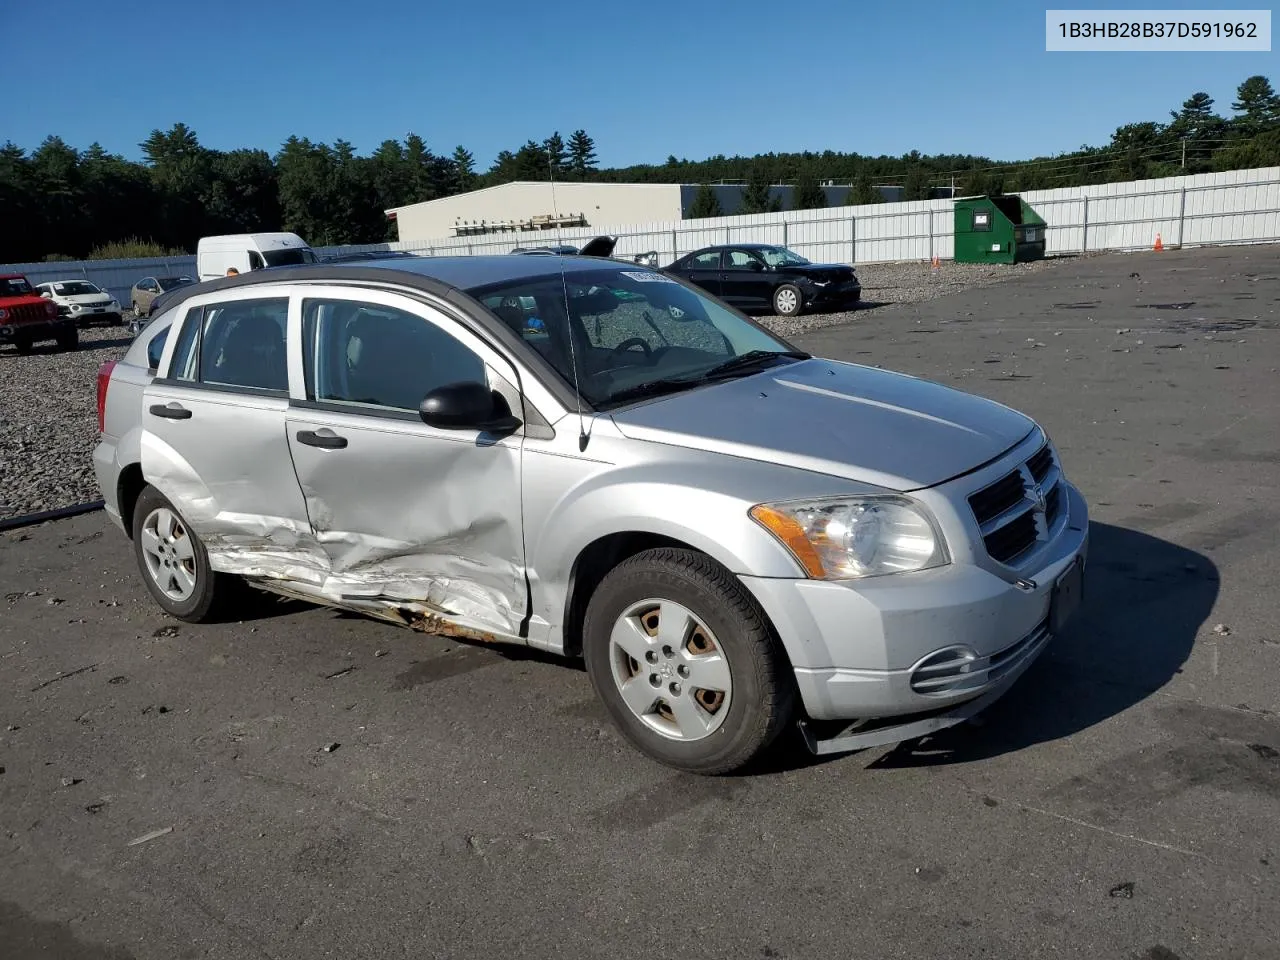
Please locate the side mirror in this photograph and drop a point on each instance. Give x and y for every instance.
(468, 405)
(46, 294)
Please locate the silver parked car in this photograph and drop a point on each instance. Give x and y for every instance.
(594, 459)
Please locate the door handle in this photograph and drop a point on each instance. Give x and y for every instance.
(327, 440)
(170, 411)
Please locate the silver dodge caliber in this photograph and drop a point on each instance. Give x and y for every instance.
(589, 457)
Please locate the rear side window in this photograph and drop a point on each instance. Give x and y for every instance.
(156, 348)
(378, 356)
(236, 344)
(705, 261)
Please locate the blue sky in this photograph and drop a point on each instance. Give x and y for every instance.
(645, 79)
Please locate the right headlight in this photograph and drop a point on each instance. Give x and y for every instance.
(853, 537)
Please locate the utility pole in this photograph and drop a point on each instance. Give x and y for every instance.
(1184, 153)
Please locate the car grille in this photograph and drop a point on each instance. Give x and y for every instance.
(28, 313)
(1022, 508)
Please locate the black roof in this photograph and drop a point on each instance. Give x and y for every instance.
(738, 246)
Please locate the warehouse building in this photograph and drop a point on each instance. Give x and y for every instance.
(535, 206)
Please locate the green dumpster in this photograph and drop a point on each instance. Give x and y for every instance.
(1002, 229)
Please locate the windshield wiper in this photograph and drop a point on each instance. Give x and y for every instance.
(742, 363)
(654, 388)
(752, 358)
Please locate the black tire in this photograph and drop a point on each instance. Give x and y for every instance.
(763, 697)
(213, 593)
(68, 339)
(788, 301)
(23, 344)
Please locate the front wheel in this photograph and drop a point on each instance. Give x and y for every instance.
(68, 339)
(686, 662)
(174, 563)
(787, 300)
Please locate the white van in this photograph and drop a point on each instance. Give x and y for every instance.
(250, 251)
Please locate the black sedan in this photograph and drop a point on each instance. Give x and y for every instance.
(762, 276)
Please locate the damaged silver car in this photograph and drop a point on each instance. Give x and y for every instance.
(592, 458)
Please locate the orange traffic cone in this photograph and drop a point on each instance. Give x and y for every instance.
(1159, 243)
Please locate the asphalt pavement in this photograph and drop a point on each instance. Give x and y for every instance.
(309, 784)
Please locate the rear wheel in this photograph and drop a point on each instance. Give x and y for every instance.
(787, 300)
(68, 339)
(686, 662)
(174, 563)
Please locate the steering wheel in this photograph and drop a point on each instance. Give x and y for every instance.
(630, 342)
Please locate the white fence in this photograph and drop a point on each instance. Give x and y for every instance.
(1242, 206)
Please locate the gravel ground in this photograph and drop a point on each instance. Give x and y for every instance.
(48, 404)
(49, 422)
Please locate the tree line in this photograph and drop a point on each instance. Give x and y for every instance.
(57, 202)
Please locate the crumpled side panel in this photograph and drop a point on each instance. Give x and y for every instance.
(416, 522)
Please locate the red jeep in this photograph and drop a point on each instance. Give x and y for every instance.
(26, 318)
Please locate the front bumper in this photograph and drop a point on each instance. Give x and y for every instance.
(95, 315)
(865, 650)
(835, 295)
(34, 331)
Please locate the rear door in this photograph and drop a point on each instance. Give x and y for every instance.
(407, 515)
(213, 439)
(704, 270)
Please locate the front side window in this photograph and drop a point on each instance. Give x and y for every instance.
(742, 260)
(619, 332)
(240, 343)
(378, 356)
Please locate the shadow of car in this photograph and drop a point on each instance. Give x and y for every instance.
(1145, 601)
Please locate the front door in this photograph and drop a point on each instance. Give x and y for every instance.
(213, 440)
(745, 280)
(422, 520)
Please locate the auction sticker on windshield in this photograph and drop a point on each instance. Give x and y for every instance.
(647, 277)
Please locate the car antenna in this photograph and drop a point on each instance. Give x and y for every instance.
(583, 436)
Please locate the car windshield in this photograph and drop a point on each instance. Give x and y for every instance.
(74, 288)
(629, 333)
(14, 287)
(782, 257)
(288, 257)
(169, 283)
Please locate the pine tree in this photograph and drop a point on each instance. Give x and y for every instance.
(808, 194)
(1258, 105)
(863, 192)
(582, 153)
(464, 169)
(755, 198)
(1199, 128)
(916, 185)
(705, 204)
(554, 148)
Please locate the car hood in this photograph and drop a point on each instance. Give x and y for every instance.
(860, 423)
(25, 300)
(87, 299)
(821, 271)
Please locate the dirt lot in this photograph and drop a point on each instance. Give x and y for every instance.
(1123, 801)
